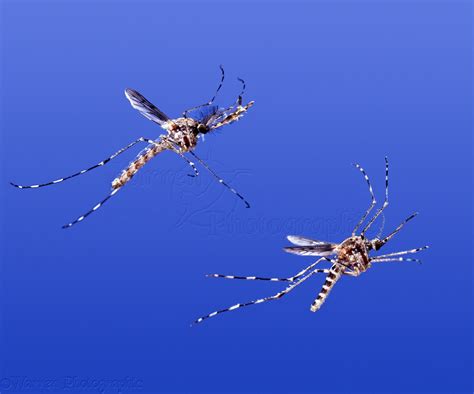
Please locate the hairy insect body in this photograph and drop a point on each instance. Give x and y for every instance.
(354, 254)
(183, 132)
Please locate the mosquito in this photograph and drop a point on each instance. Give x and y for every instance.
(350, 257)
(181, 138)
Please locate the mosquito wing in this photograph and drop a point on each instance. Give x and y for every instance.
(147, 109)
(309, 247)
(301, 241)
(322, 250)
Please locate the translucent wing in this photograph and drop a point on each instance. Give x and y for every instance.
(301, 241)
(204, 114)
(147, 109)
(323, 250)
(310, 247)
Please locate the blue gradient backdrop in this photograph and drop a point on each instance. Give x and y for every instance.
(334, 82)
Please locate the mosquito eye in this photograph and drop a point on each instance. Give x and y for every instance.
(201, 128)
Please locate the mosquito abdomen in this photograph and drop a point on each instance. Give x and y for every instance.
(333, 276)
(135, 165)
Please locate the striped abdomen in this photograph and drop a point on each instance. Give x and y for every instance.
(135, 165)
(333, 276)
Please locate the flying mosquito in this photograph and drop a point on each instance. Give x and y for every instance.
(182, 137)
(350, 257)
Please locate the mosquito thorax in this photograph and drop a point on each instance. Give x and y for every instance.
(353, 251)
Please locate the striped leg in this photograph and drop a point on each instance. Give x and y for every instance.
(239, 98)
(238, 102)
(385, 203)
(81, 218)
(102, 163)
(372, 204)
(175, 147)
(334, 275)
(395, 259)
(290, 279)
(196, 172)
(379, 233)
(127, 174)
(392, 234)
(259, 301)
(185, 113)
(220, 180)
(226, 113)
(416, 250)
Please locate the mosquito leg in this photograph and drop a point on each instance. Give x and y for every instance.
(348, 270)
(392, 234)
(81, 218)
(102, 163)
(290, 279)
(372, 204)
(173, 145)
(416, 250)
(185, 113)
(385, 204)
(196, 172)
(238, 102)
(221, 180)
(259, 301)
(379, 234)
(395, 259)
(239, 98)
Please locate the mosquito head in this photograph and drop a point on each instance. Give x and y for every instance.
(202, 128)
(374, 244)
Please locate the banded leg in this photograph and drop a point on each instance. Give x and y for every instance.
(416, 250)
(81, 218)
(175, 147)
(351, 271)
(239, 98)
(394, 259)
(196, 172)
(334, 275)
(385, 203)
(127, 174)
(238, 102)
(220, 180)
(290, 279)
(392, 234)
(259, 301)
(379, 233)
(102, 163)
(372, 204)
(185, 113)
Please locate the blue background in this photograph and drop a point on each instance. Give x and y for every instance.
(334, 82)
